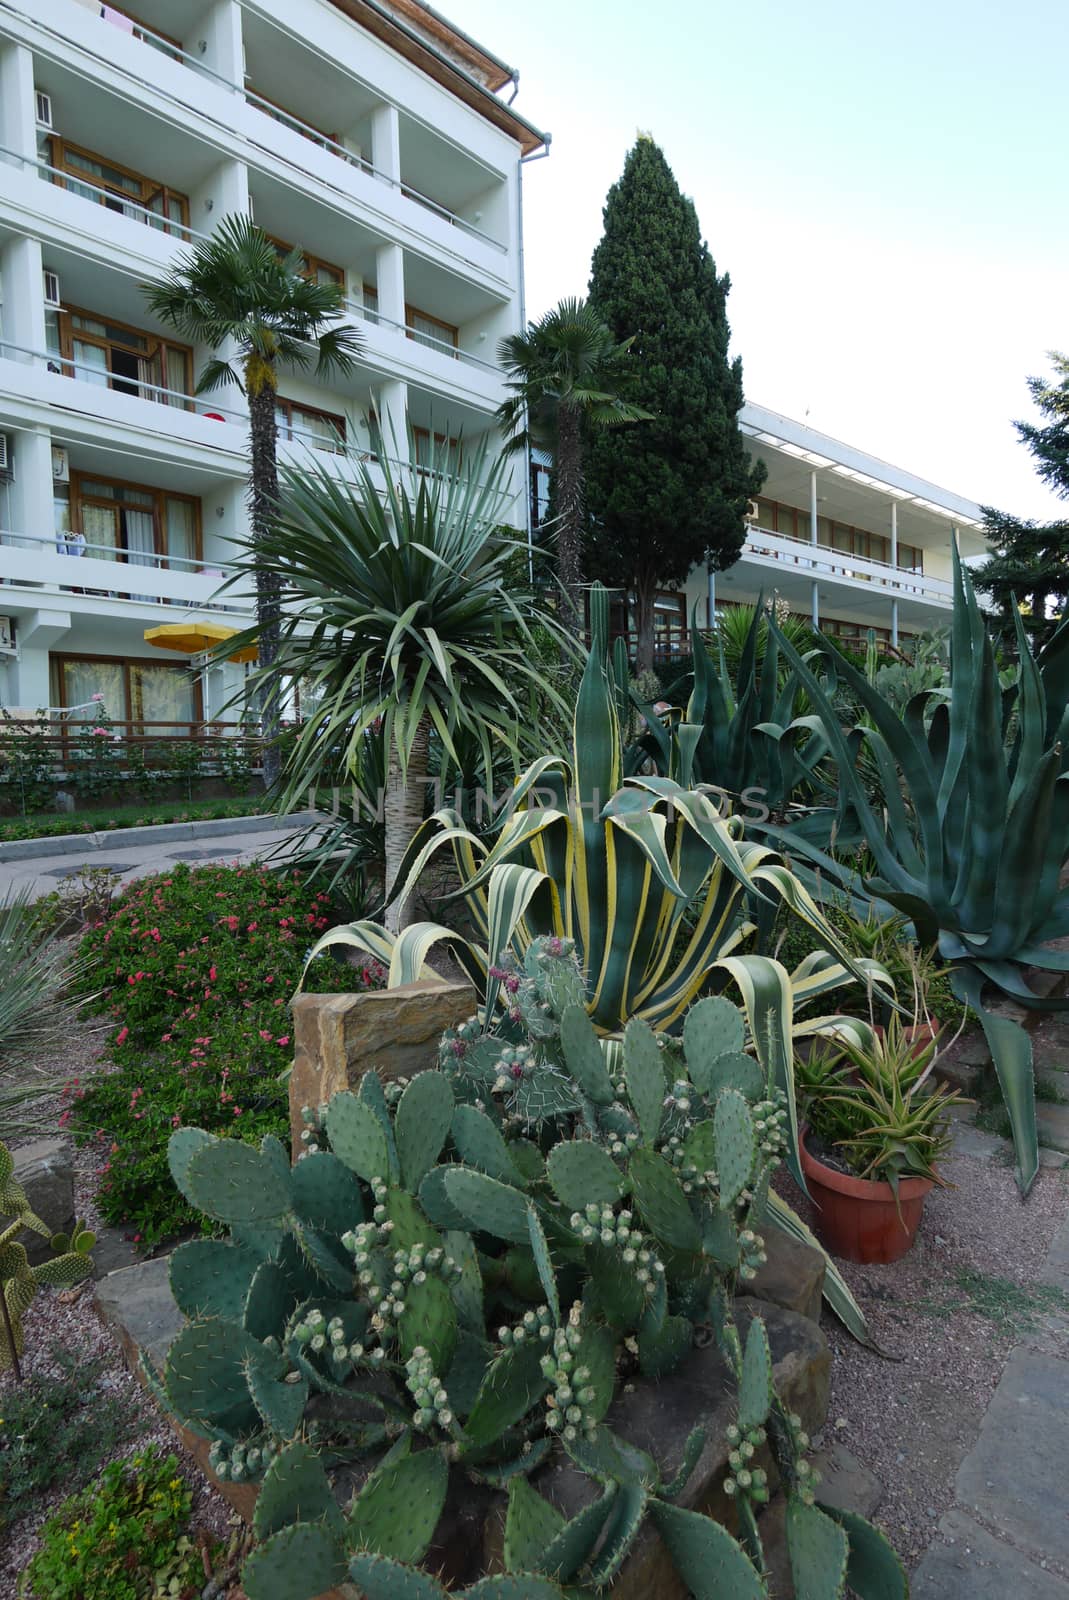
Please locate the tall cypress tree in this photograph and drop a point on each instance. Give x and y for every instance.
(1029, 563)
(669, 493)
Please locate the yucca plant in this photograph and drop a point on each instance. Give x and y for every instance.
(646, 877)
(396, 615)
(972, 831)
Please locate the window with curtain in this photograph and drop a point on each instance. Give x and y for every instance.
(161, 694)
(181, 532)
(141, 525)
(81, 677)
(429, 330)
(148, 694)
(321, 430)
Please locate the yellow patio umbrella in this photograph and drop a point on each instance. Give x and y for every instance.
(194, 637)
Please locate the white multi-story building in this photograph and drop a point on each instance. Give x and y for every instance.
(370, 133)
(850, 542)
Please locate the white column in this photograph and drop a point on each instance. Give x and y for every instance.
(710, 578)
(390, 282)
(386, 143)
(24, 295)
(18, 120)
(31, 487)
(392, 412)
(216, 41)
(815, 596)
(894, 564)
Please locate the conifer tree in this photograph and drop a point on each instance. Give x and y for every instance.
(669, 493)
(1028, 569)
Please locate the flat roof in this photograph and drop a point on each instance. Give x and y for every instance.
(449, 56)
(822, 452)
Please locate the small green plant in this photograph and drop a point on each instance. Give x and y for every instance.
(19, 1282)
(115, 1540)
(234, 757)
(184, 763)
(28, 771)
(96, 757)
(59, 1428)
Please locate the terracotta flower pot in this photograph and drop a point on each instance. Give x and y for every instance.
(858, 1219)
(920, 1034)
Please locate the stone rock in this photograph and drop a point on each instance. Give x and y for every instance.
(967, 1563)
(792, 1276)
(1052, 1121)
(845, 1482)
(137, 1305)
(658, 1416)
(337, 1037)
(44, 1170)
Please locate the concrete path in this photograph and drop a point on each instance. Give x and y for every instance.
(128, 854)
(1007, 1536)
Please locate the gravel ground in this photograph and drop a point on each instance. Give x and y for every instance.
(950, 1312)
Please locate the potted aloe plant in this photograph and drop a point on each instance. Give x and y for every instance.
(875, 1128)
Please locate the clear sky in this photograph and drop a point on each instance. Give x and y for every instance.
(885, 183)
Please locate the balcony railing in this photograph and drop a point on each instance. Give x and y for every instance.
(443, 347)
(61, 178)
(54, 561)
(820, 560)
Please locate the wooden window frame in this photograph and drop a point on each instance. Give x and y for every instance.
(411, 332)
(857, 536)
(284, 111)
(442, 442)
(58, 147)
(338, 421)
(312, 263)
(57, 659)
(158, 348)
(78, 498)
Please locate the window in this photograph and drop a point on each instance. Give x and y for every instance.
(119, 188)
(313, 267)
(153, 697)
(116, 356)
(128, 24)
(443, 455)
(428, 330)
(129, 522)
(794, 524)
(371, 303)
(322, 430)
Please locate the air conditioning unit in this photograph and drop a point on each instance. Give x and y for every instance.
(52, 299)
(5, 455)
(61, 469)
(752, 512)
(7, 633)
(44, 110)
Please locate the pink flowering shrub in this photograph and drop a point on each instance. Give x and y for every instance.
(196, 968)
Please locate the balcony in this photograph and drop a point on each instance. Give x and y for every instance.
(819, 562)
(32, 565)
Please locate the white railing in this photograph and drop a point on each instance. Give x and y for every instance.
(74, 184)
(453, 352)
(61, 561)
(819, 560)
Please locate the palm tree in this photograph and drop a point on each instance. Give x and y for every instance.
(397, 617)
(565, 372)
(235, 288)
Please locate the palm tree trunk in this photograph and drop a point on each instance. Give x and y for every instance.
(405, 796)
(571, 510)
(263, 501)
(644, 611)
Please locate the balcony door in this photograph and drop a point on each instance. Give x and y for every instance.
(133, 523)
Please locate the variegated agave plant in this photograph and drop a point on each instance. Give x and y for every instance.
(654, 886)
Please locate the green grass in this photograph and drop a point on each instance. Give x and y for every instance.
(53, 824)
(1009, 1307)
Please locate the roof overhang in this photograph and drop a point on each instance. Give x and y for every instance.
(448, 56)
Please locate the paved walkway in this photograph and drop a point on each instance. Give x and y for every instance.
(1007, 1536)
(135, 859)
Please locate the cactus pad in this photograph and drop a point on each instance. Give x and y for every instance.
(205, 1375)
(512, 1586)
(397, 1510)
(232, 1182)
(436, 1204)
(708, 1560)
(574, 1544)
(297, 1563)
(482, 1147)
(421, 1125)
(738, 1071)
(644, 1076)
(531, 1524)
(582, 1173)
(624, 1520)
(510, 1387)
(488, 1206)
(734, 1145)
(756, 1392)
(357, 1137)
(378, 1578)
(428, 1320)
(873, 1568)
(295, 1489)
(661, 1201)
(467, 1289)
(713, 1027)
(818, 1549)
(584, 1057)
(182, 1146)
(280, 1405)
(326, 1195)
(660, 1350)
(692, 1451)
(544, 1263)
(210, 1278)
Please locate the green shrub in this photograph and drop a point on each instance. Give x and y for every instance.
(196, 968)
(58, 1429)
(111, 1540)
